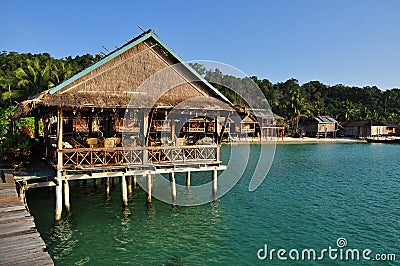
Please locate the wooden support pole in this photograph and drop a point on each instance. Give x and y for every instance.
(215, 183)
(58, 210)
(66, 196)
(188, 179)
(173, 187)
(107, 186)
(96, 182)
(173, 130)
(149, 184)
(124, 191)
(129, 181)
(134, 182)
(58, 201)
(36, 127)
(46, 135)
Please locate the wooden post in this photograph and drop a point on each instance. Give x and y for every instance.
(144, 128)
(223, 128)
(134, 181)
(36, 127)
(46, 135)
(90, 125)
(216, 137)
(188, 179)
(124, 191)
(66, 196)
(96, 182)
(215, 184)
(173, 187)
(58, 201)
(107, 186)
(59, 165)
(173, 130)
(149, 183)
(129, 183)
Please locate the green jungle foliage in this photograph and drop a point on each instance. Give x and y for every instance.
(25, 75)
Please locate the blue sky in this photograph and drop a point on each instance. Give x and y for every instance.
(349, 42)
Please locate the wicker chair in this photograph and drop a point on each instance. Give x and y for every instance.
(93, 142)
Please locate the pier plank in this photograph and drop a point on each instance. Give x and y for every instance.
(21, 244)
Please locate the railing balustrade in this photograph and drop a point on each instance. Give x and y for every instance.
(125, 156)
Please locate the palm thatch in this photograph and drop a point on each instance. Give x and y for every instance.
(144, 73)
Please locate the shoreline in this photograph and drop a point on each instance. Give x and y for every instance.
(304, 140)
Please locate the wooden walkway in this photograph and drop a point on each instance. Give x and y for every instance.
(20, 243)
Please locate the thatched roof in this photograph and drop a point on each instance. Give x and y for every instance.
(143, 73)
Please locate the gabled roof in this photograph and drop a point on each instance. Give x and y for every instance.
(325, 119)
(143, 73)
(144, 36)
(361, 123)
(248, 119)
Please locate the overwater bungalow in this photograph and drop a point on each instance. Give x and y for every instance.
(140, 110)
(269, 125)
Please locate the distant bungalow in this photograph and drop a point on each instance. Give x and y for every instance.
(367, 128)
(319, 126)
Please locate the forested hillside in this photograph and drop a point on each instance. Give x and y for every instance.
(25, 75)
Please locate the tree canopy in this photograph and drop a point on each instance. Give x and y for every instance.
(24, 75)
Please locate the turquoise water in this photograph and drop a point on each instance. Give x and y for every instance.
(313, 194)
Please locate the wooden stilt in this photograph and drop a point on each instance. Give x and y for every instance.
(59, 186)
(173, 187)
(134, 182)
(96, 182)
(129, 181)
(124, 191)
(66, 196)
(215, 183)
(149, 183)
(188, 179)
(58, 201)
(107, 179)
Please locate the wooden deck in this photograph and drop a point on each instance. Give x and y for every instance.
(20, 243)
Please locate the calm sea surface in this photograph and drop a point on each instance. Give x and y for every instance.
(313, 195)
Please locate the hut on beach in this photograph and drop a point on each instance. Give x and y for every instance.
(319, 126)
(132, 113)
(366, 128)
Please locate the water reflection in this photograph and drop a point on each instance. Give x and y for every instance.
(62, 237)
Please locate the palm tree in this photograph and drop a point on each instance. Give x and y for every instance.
(298, 107)
(34, 77)
(61, 72)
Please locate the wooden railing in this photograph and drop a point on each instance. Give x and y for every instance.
(125, 156)
(248, 130)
